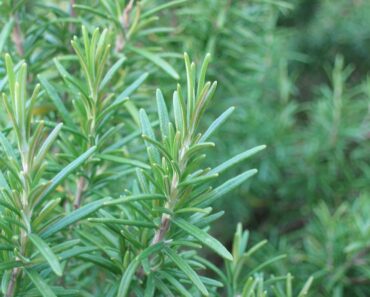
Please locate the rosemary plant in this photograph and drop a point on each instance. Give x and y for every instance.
(110, 186)
(27, 182)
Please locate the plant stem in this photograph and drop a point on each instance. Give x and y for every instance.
(173, 195)
(17, 37)
(80, 190)
(12, 284)
(125, 20)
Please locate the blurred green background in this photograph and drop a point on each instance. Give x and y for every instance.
(297, 73)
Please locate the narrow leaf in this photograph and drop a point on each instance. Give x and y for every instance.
(158, 8)
(131, 269)
(238, 158)
(185, 267)
(5, 32)
(40, 284)
(50, 90)
(203, 237)
(127, 278)
(47, 143)
(74, 216)
(123, 160)
(65, 172)
(131, 88)
(111, 72)
(157, 61)
(162, 113)
(306, 287)
(224, 188)
(47, 253)
(221, 119)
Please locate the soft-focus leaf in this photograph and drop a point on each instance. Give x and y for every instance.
(203, 237)
(47, 253)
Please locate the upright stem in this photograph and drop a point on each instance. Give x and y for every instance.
(12, 283)
(82, 182)
(79, 193)
(23, 236)
(125, 20)
(73, 15)
(17, 37)
(166, 218)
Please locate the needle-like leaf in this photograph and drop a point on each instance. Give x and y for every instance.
(47, 253)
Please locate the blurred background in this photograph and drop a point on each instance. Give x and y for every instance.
(297, 73)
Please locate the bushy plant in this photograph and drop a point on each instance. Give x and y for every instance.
(67, 229)
(336, 249)
(106, 189)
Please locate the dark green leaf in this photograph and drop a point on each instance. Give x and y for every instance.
(203, 237)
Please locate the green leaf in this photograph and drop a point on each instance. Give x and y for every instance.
(74, 216)
(122, 160)
(185, 267)
(289, 290)
(226, 187)
(47, 144)
(149, 286)
(176, 284)
(147, 130)
(202, 75)
(10, 73)
(157, 61)
(127, 278)
(238, 158)
(306, 287)
(203, 237)
(131, 88)
(179, 112)
(3, 183)
(50, 90)
(131, 269)
(5, 32)
(111, 72)
(158, 8)
(190, 79)
(97, 12)
(123, 222)
(219, 121)
(65, 172)
(249, 287)
(40, 284)
(255, 248)
(162, 113)
(5, 79)
(7, 147)
(266, 263)
(47, 253)
(133, 198)
(10, 265)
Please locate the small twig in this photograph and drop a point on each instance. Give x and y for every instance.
(73, 15)
(162, 230)
(13, 280)
(80, 189)
(72, 3)
(17, 37)
(359, 281)
(125, 21)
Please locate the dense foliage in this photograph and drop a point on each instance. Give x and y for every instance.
(125, 167)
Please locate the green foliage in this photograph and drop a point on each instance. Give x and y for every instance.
(110, 186)
(146, 236)
(336, 248)
(27, 208)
